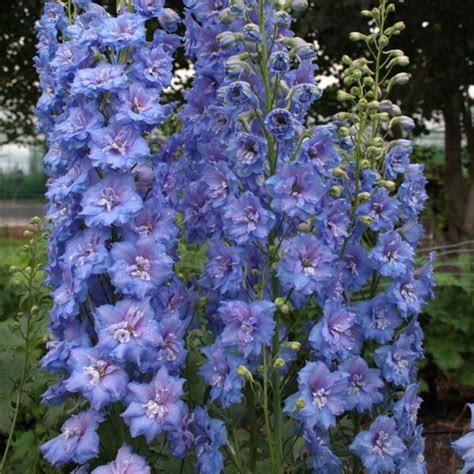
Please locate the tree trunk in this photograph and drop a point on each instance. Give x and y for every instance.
(468, 224)
(454, 189)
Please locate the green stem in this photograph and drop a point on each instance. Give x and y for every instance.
(253, 432)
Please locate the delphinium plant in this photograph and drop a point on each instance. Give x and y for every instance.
(294, 348)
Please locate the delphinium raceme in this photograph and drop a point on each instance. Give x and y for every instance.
(116, 330)
(309, 293)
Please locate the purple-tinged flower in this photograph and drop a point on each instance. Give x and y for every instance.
(323, 460)
(247, 326)
(380, 447)
(104, 77)
(357, 269)
(149, 8)
(413, 460)
(333, 221)
(382, 210)
(95, 378)
(412, 193)
(398, 158)
(405, 411)
(219, 372)
(335, 335)
(169, 20)
(306, 263)
(398, 362)
(154, 407)
(118, 146)
(377, 318)
(86, 253)
(245, 218)
(153, 66)
(126, 330)
(112, 200)
(126, 462)
(139, 105)
(295, 190)
(321, 396)
(125, 30)
(223, 271)
(209, 435)
(281, 124)
(280, 62)
(139, 267)
(78, 441)
(221, 183)
(248, 152)
(408, 294)
(391, 256)
(464, 446)
(364, 384)
(238, 95)
(305, 94)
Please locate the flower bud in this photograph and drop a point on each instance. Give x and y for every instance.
(346, 60)
(244, 372)
(298, 5)
(383, 41)
(367, 220)
(28, 233)
(364, 196)
(338, 172)
(255, 272)
(343, 96)
(285, 309)
(227, 39)
(336, 191)
(293, 345)
(356, 36)
(252, 33)
(388, 185)
(14, 269)
(299, 404)
(344, 132)
(406, 123)
(366, 14)
(365, 164)
(400, 61)
(169, 20)
(279, 363)
(280, 301)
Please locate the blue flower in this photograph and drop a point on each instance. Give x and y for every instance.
(248, 152)
(154, 407)
(280, 62)
(97, 379)
(238, 95)
(139, 267)
(209, 435)
(78, 441)
(104, 77)
(220, 374)
(398, 158)
(364, 384)
(247, 326)
(125, 30)
(126, 462)
(118, 146)
(126, 330)
(357, 269)
(245, 218)
(335, 335)
(153, 66)
(281, 124)
(323, 395)
(380, 447)
(392, 257)
(382, 210)
(112, 200)
(464, 446)
(149, 8)
(295, 190)
(405, 411)
(306, 263)
(322, 459)
(223, 271)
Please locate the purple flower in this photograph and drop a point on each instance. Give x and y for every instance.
(247, 326)
(322, 394)
(364, 384)
(221, 184)
(408, 294)
(223, 271)
(153, 66)
(245, 218)
(154, 407)
(209, 435)
(104, 77)
(126, 30)
(335, 335)
(295, 190)
(392, 257)
(112, 200)
(306, 263)
(380, 447)
(357, 269)
(139, 105)
(220, 374)
(118, 146)
(86, 253)
(323, 460)
(248, 152)
(464, 446)
(78, 441)
(405, 411)
(149, 8)
(139, 267)
(398, 158)
(126, 462)
(412, 193)
(382, 209)
(333, 222)
(238, 95)
(96, 378)
(281, 124)
(126, 330)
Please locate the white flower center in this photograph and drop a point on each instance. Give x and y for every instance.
(381, 444)
(320, 398)
(95, 371)
(140, 268)
(109, 199)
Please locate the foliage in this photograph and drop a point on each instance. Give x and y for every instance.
(20, 186)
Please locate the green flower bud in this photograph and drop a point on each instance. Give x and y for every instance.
(344, 132)
(383, 41)
(279, 363)
(363, 196)
(356, 36)
(367, 220)
(280, 301)
(255, 272)
(293, 345)
(388, 185)
(342, 96)
(365, 164)
(299, 404)
(336, 191)
(28, 233)
(14, 269)
(244, 372)
(366, 14)
(339, 173)
(346, 60)
(285, 309)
